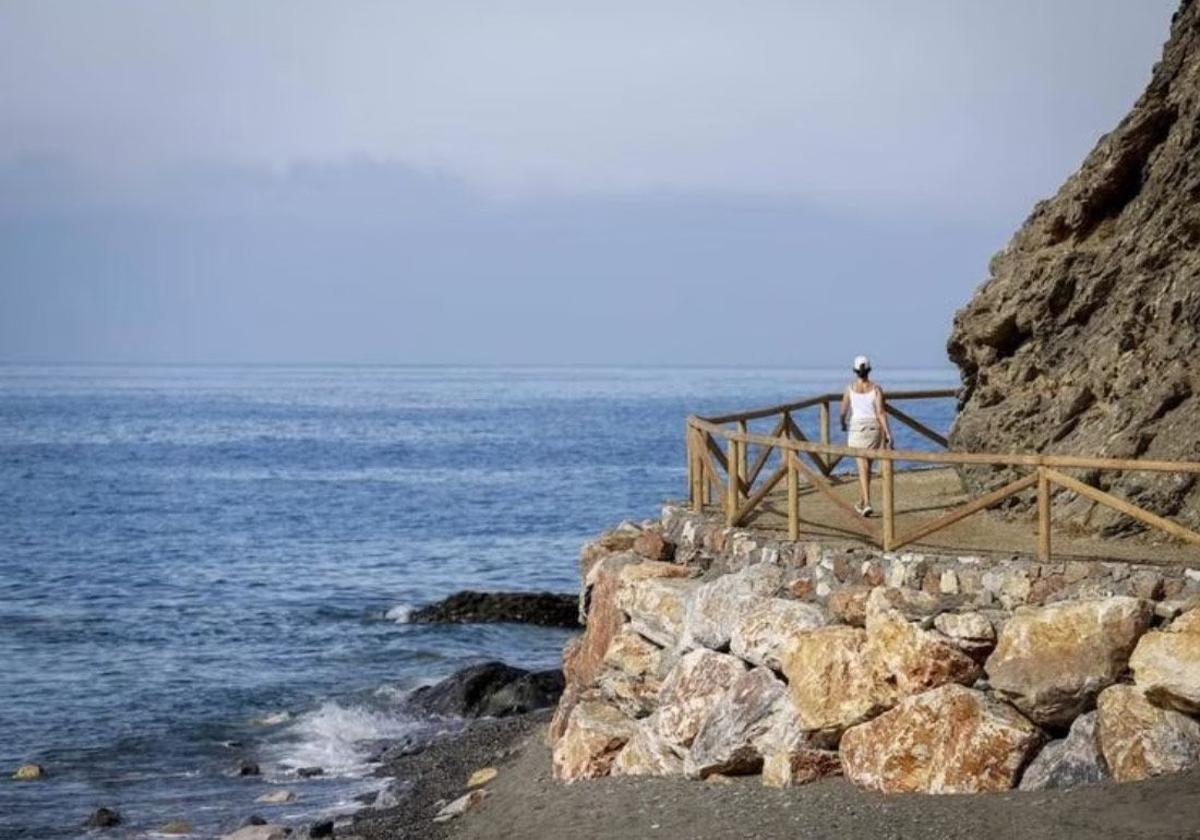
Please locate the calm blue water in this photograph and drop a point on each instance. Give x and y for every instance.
(203, 564)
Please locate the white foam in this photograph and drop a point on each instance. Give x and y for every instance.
(336, 738)
(399, 613)
(273, 719)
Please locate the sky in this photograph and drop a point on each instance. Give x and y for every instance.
(566, 182)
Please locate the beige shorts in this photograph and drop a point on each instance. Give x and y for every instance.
(865, 434)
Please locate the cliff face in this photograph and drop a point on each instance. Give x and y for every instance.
(1084, 339)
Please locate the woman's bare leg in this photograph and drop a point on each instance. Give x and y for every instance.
(864, 479)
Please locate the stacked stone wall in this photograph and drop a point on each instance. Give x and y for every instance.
(714, 651)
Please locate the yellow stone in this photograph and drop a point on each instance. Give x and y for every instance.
(482, 776)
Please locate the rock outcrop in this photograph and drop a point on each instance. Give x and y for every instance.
(491, 689)
(1085, 337)
(548, 609)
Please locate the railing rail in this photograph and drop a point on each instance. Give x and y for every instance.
(727, 473)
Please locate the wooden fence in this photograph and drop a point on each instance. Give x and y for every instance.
(727, 472)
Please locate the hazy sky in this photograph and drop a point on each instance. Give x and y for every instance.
(605, 182)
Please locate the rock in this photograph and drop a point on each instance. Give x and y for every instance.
(1166, 664)
(763, 631)
(253, 819)
(617, 541)
(29, 772)
(562, 713)
(259, 832)
(849, 605)
(1069, 762)
(605, 618)
(490, 689)
(310, 772)
(388, 797)
(948, 740)
(718, 604)
(1140, 740)
(647, 754)
(595, 733)
(970, 626)
(461, 805)
(276, 797)
(248, 768)
(482, 776)
(912, 604)
(911, 660)
(797, 767)
(548, 609)
(632, 654)
(320, 829)
(830, 680)
(730, 737)
(652, 546)
(691, 690)
(103, 817)
(176, 827)
(637, 696)
(1083, 340)
(1052, 661)
(657, 606)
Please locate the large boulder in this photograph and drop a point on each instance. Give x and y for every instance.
(691, 690)
(911, 660)
(596, 731)
(1069, 762)
(630, 679)
(605, 618)
(1085, 337)
(656, 599)
(1052, 661)
(831, 681)
(948, 740)
(799, 766)
(648, 754)
(1140, 740)
(730, 738)
(764, 631)
(1166, 664)
(719, 603)
(490, 689)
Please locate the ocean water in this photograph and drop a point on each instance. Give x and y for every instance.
(200, 565)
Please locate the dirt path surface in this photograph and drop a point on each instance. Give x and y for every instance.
(527, 804)
(926, 494)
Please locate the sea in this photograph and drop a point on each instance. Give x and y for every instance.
(205, 565)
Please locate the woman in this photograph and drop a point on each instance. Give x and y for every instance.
(866, 421)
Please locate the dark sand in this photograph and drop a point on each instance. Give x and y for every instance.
(526, 803)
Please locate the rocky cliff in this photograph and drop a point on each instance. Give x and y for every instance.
(1084, 338)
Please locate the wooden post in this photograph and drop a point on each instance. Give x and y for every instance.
(888, 477)
(743, 453)
(1043, 505)
(706, 496)
(825, 435)
(732, 459)
(793, 496)
(695, 471)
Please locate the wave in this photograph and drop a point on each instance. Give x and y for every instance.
(399, 613)
(342, 740)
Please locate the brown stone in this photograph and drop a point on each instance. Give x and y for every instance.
(595, 733)
(652, 546)
(911, 660)
(729, 740)
(1140, 740)
(948, 740)
(562, 713)
(691, 690)
(633, 654)
(635, 696)
(1166, 664)
(657, 606)
(605, 618)
(849, 605)
(1052, 661)
(799, 767)
(765, 629)
(830, 680)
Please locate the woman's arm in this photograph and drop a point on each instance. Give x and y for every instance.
(845, 407)
(881, 416)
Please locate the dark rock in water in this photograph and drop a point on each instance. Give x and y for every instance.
(103, 818)
(324, 828)
(1069, 762)
(310, 772)
(1085, 339)
(247, 767)
(544, 608)
(492, 689)
(253, 819)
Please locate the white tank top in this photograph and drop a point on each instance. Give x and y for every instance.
(862, 406)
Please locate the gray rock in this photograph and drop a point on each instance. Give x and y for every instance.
(1069, 762)
(491, 689)
(103, 817)
(729, 740)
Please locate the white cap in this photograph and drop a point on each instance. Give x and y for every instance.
(861, 362)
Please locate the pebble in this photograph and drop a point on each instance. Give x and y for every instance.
(276, 797)
(29, 772)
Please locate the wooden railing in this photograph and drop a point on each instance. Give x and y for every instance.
(727, 472)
